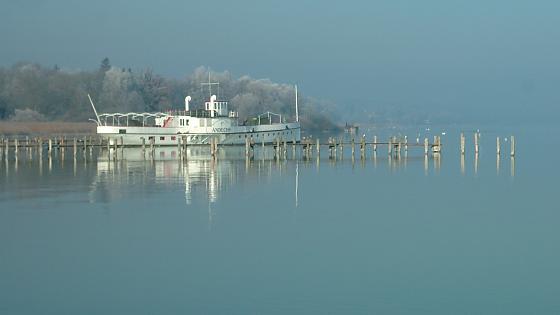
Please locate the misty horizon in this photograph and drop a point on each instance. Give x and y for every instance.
(479, 61)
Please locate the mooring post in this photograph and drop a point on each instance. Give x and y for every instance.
(185, 146)
(476, 143)
(462, 141)
(406, 143)
(363, 147)
(498, 146)
(512, 141)
(75, 147)
(425, 146)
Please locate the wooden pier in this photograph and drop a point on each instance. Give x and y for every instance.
(308, 147)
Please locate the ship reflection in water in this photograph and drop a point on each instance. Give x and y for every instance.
(202, 175)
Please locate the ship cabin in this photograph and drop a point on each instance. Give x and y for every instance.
(198, 117)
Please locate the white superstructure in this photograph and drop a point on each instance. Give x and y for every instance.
(214, 121)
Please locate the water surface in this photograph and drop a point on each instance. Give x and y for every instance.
(390, 235)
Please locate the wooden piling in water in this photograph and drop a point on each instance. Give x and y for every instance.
(406, 143)
(476, 146)
(75, 146)
(363, 147)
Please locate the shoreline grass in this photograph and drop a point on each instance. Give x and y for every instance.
(12, 128)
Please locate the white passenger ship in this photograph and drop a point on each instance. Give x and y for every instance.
(197, 126)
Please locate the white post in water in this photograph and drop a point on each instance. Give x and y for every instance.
(405, 144)
(374, 144)
(498, 146)
(476, 142)
(425, 146)
(512, 146)
(462, 143)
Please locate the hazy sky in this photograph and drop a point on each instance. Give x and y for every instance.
(485, 57)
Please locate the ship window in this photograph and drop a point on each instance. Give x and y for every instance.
(186, 122)
(121, 131)
(151, 138)
(161, 138)
(173, 138)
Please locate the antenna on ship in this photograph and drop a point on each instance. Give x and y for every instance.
(210, 83)
(297, 114)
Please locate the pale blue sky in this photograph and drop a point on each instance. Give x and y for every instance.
(459, 56)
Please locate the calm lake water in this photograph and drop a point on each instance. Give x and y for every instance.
(383, 235)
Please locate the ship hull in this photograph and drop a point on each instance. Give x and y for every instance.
(169, 136)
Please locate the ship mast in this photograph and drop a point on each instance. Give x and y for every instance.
(210, 83)
(297, 114)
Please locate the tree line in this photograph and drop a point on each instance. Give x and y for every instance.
(32, 92)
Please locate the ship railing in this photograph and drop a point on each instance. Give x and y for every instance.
(115, 119)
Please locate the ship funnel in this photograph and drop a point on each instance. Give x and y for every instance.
(187, 100)
(212, 100)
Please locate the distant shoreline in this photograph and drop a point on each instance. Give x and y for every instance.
(12, 128)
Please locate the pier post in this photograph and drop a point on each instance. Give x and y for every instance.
(476, 143)
(75, 147)
(512, 142)
(7, 149)
(425, 146)
(405, 144)
(363, 147)
(498, 149)
(462, 140)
